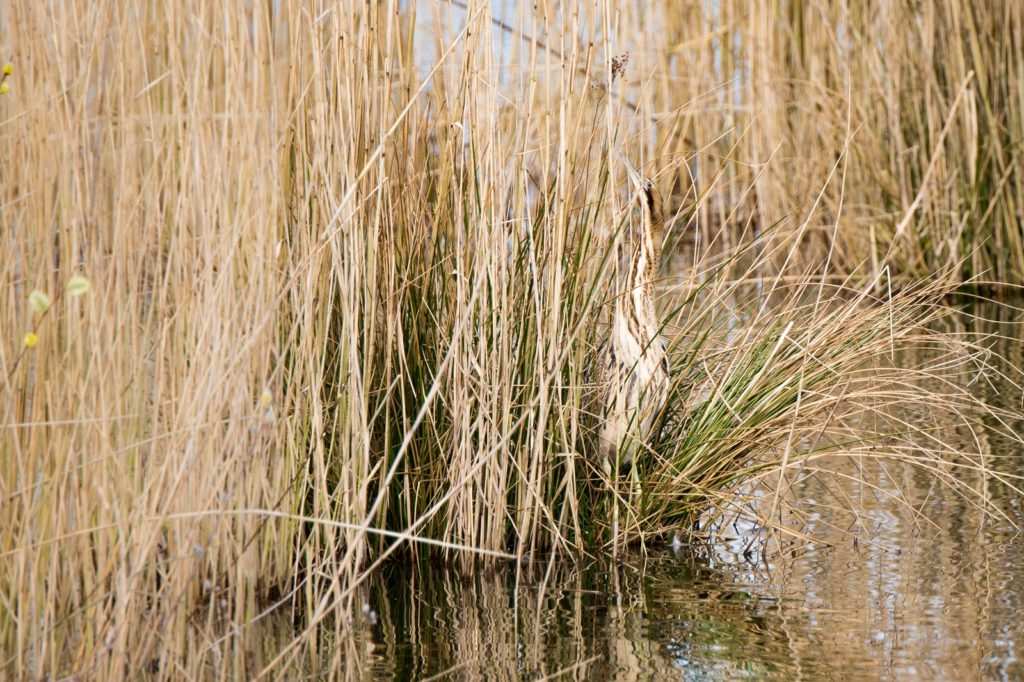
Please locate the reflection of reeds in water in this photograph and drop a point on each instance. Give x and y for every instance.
(616, 621)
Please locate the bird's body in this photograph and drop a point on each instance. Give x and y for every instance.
(631, 367)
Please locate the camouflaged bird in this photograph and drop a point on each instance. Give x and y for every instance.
(630, 372)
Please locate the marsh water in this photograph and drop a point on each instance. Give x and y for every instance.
(903, 578)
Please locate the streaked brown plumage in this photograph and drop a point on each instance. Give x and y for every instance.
(631, 369)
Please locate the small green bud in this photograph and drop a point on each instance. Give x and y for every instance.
(77, 285)
(39, 301)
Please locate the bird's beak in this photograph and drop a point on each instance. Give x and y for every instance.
(634, 175)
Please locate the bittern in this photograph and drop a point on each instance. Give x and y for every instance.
(631, 370)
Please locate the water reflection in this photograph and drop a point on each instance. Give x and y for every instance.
(664, 616)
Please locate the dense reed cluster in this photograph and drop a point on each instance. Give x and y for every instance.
(292, 287)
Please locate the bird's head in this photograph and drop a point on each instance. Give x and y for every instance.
(650, 200)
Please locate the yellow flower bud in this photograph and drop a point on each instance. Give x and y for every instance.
(5, 87)
(8, 69)
(31, 340)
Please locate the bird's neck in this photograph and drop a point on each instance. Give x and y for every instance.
(641, 268)
(642, 271)
(645, 260)
(649, 252)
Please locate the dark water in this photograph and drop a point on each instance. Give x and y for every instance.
(905, 579)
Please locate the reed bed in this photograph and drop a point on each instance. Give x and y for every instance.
(290, 288)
